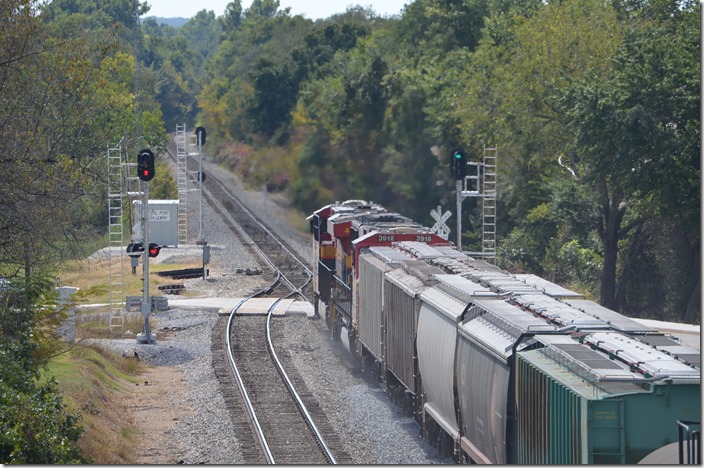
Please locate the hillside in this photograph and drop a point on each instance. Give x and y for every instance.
(173, 22)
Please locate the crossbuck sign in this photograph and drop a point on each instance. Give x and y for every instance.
(440, 228)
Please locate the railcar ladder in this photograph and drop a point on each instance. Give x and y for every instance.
(489, 204)
(116, 241)
(182, 182)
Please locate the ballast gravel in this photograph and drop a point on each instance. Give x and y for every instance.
(373, 429)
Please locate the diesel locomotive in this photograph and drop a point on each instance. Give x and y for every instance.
(496, 367)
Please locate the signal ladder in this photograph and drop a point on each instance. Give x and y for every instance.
(116, 241)
(182, 182)
(489, 204)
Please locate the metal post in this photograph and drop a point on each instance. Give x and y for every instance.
(206, 259)
(200, 187)
(458, 190)
(147, 337)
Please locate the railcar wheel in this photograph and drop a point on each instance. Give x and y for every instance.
(376, 372)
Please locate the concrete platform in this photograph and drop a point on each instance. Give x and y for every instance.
(256, 306)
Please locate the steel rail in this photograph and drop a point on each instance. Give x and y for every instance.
(292, 389)
(294, 291)
(261, 437)
(266, 228)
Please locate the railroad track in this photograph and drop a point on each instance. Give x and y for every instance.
(285, 428)
(277, 420)
(290, 272)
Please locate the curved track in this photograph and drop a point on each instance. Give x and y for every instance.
(279, 426)
(284, 427)
(293, 277)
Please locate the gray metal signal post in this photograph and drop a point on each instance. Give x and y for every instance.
(200, 135)
(145, 171)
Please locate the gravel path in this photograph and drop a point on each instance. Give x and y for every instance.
(374, 430)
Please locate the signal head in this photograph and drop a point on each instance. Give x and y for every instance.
(145, 165)
(154, 249)
(458, 165)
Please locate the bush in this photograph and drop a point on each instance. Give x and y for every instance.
(35, 427)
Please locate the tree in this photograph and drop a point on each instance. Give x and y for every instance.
(275, 94)
(528, 56)
(233, 16)
(637, 138)
(35, 424)
(48, 130)
(594, 106)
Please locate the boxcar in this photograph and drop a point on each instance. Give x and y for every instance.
(600, 398)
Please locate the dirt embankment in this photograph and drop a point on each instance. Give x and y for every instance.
(156, 405)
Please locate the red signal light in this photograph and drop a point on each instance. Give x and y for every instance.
(145, 165)
(154, 249)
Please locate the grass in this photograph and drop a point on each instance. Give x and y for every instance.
(93, 277)
(93, 382)
(96, 324)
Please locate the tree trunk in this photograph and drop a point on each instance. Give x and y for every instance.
(612, 211)
(27, 264)
(624, 281)
(693, 313)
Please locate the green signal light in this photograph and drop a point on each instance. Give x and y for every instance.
(458, 155)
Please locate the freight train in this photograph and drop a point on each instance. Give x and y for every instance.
(495, 367)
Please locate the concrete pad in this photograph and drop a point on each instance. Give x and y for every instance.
(261, 306)
(255, 306)
(204, 303)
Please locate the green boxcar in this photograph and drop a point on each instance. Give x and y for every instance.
(585, 406)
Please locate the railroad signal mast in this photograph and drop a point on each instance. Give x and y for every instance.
(184, 144)
(200, 136)
(479, 182)
(146, 172)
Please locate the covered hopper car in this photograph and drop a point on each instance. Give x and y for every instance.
(496, 367)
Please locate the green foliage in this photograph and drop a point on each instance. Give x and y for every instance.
(636, 138)
(527, 245)
(578, 268)
(68, 89)
(176, 58)
(35, 426)
(163, 186)
(594, 107)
